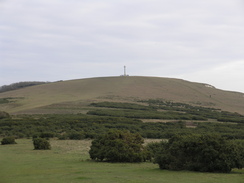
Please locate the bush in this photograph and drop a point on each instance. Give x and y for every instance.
(8, 140)
(152, 148)
(118, 146)
(76, 136)
(4, 115)
(41, 144)
(205, 153)
(47, 135)
(63, 137)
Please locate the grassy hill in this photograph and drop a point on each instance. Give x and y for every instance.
(77, 94)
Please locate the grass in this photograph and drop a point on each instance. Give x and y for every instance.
(119, 88)
(68, 162)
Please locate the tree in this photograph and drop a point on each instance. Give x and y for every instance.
(206, 153)
(118, 146)
(41, 144)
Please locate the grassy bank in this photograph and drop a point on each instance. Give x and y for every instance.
(68, 162)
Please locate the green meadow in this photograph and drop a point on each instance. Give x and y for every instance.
(68, 162)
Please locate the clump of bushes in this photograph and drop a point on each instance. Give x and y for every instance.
(205, 153)
(8, 140)
(118, 146)
(41, 144)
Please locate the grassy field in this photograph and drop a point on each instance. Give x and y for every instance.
(68, 162)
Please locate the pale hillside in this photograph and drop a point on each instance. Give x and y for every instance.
(122, 88)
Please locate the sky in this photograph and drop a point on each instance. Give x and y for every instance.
(51, 40)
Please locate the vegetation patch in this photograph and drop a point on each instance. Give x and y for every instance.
(82, 126)
(118, 146)
(205, 112)
(118, 116)
(204, 153)
(121, 105)
(8, 140)
(19, 85)
(159, 109)
(41, 144)
(139, 114)
(4, 100)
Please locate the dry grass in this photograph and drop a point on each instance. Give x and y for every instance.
(71, 146)
(147, 141)
(122, 88)
(81, 147)
(158, 121)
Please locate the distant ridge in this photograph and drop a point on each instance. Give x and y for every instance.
(19, 85)
(130, 88)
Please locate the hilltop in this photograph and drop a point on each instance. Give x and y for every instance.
(77, 94)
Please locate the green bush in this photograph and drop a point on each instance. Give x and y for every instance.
(152, 148)
(118, 146)
(8, 140)
(47, 135)
(205, 153)
(41, 144)
(76, 135)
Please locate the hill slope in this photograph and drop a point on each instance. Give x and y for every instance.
(121, 88)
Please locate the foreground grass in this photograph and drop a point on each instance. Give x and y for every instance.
(68, 162)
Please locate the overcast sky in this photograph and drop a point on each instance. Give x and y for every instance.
(50, 40)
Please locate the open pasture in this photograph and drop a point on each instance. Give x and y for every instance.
(68, 162)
